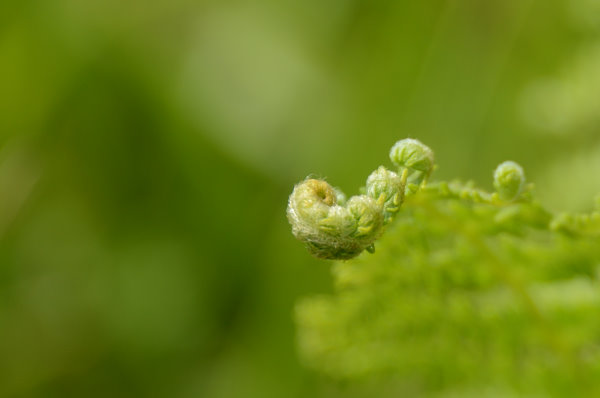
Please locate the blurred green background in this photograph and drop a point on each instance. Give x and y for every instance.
(148, 149)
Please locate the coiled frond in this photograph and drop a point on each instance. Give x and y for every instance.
(332, 228)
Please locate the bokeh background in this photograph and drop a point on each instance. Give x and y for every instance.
(147, 149)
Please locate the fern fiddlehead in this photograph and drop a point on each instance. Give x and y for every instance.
(333, 228)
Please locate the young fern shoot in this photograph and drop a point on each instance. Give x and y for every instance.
(335, 229)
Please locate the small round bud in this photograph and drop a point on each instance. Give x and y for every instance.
(509, 180)
(387, 188)
(369, 218)
(413, 155)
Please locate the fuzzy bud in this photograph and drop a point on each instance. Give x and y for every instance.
(414, 156)
(509, 180)
(387, 188)
(368, 216)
